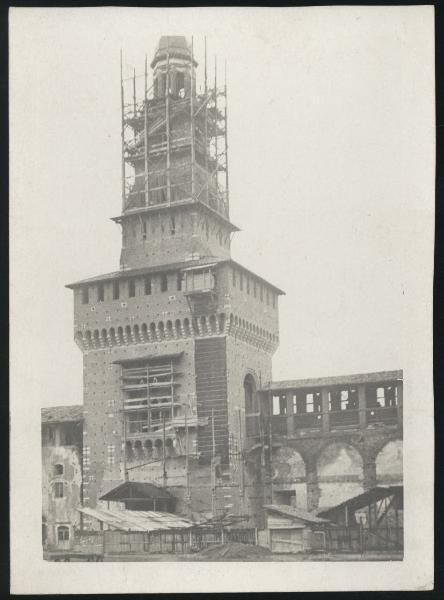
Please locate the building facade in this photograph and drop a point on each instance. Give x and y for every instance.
(62, 432)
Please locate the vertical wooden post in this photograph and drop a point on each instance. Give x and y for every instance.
(134, 93)
(122, 133)
(216, 131)
(163, 458)
(146, 133)
(227, 187)
(167, 123)
(193, 157)
(206, 124)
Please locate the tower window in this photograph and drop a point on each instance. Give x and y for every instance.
(163, 283)
(144, 229)
(58, 469)
(58, 489)
(85, 294)
(268, 297)
(116, 290)
(180, 79)
(147, 286)
(241, 281)
(274, 300)
(179, 281)
(234, 277)
(261, 292)
(100, 292)
(131, 288)
(254, 288)
(248, 285)
(173, 225)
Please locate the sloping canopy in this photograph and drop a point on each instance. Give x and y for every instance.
(137, 520)
(369, 497)
(135, 490)
(290, 511)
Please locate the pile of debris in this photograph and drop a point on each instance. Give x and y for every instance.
(233, 551)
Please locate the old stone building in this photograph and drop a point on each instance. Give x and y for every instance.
(61, 474)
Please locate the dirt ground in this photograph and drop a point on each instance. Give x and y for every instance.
(370, 557)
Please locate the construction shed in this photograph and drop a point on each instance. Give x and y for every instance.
(139, 496)
(292, 530)
(371, 521)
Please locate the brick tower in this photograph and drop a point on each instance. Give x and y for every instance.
(176, 343)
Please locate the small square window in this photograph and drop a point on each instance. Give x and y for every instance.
(62, 533)
(58, 469)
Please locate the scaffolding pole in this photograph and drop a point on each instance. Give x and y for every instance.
(164, 454)
(167, 123)
(213, 473)
(193, 157)
(146, 133)
(122, 130)
(227, 193)
(206, 120)
(241, 465)
(216, 131)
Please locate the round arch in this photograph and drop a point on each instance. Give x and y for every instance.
(340, 473)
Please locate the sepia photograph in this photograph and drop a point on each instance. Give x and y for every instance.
(222, 227)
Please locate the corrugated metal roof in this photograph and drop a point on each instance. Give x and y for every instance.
(136, 490)
(291, 511)
(137, 520)
(378, 377)
(60, 414)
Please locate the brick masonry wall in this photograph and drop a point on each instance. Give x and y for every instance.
(103, 425)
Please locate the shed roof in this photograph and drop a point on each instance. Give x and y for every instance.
(361, 500)
(293, 384)
(137, 520)
(291, 511)
(136, 490)
(62, 414)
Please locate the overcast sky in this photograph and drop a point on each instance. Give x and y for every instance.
(331, 156)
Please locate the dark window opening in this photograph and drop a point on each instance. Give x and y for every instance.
(58, 469)
(179, 281)
(163, 283)
(100, 292)
(180, 82)
(144, 229)
(131, 288)
(58, 489)
(116, 290)
(254, 289)
(241, 281)
(85, 294)
(147, 286)
(248, 285)
(62, 533)
(346, 399)
(173, 225)
(234, 277)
